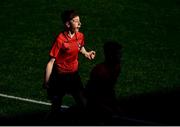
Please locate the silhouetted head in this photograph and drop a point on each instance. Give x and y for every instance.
(112, 52)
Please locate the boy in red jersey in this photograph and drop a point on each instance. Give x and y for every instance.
(61, 74)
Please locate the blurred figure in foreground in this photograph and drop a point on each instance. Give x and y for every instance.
(99, 91)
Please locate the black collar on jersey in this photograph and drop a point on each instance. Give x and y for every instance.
(79, 45)
(67, 37)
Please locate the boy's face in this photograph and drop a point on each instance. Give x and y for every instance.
(74, 24)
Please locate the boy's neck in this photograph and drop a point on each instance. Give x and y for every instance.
(71, 34)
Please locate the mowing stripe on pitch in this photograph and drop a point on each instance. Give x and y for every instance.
(28, 100)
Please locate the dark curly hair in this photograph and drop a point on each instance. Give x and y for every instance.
(67, 15)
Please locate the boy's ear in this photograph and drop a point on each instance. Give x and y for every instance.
(67, 24)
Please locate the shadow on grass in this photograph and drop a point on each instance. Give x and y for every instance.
(160, 108)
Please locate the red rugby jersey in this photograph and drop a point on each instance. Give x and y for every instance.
(65, 50)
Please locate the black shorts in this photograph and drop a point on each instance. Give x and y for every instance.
(61, 84)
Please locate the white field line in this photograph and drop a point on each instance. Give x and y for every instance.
(28, 100)
(64, 106)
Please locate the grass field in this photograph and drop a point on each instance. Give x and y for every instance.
(149, 31)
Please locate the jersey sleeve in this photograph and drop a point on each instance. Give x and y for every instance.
(55, 48)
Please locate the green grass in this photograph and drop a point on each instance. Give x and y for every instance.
(20, 108)
(148, 30)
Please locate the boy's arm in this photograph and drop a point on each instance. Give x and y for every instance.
(48, 71)
(90, 55)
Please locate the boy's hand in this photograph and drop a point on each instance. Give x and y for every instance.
(90, 55)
